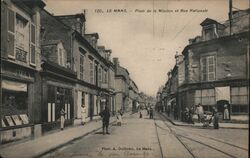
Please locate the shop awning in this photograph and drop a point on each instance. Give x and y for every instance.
(14, 86)
(222, 93)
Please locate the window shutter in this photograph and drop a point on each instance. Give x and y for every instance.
(32, 44)
(11, 33)
(4, 33)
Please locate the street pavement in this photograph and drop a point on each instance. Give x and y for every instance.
(136, 138)
(158, 138)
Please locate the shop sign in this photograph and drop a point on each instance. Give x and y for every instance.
(15, 86)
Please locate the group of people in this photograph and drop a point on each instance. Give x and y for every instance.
(188, 115)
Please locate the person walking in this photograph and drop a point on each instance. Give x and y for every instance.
(215, 118)
(151, 113)
(200, 112)
(105, 114)
(83, 114)
(62, 117)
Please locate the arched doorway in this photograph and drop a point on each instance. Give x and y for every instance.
(221, 107)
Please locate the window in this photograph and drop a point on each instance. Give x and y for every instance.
(208, 97)
(209, 34)
(11, 33)
(61, 56)
(239, 99)
(81, 66)
(208, 68)
(205, 97)
(91, 67)
(99, 76)
(21, 33)
(197, 97)
(105, 76)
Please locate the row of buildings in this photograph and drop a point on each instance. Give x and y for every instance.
(213, 69)
(49, 63)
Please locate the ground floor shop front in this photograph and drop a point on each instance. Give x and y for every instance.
(231, 96)
(18, 107)
(94, 100)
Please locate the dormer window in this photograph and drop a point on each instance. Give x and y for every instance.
(210, 29)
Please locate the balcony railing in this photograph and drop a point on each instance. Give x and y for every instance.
(21, 55)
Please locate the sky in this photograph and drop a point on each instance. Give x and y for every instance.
(145, 41)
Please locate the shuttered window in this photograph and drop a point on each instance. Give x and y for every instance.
(4, 32)
(11, 33)
(32, 44)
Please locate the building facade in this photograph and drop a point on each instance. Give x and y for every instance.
(20, 62)
(214, 68)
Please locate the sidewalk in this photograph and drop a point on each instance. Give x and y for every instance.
(45, 144)
(222, 125)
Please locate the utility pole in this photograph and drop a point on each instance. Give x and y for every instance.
(230, 15)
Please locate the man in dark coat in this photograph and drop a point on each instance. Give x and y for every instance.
(105, 114)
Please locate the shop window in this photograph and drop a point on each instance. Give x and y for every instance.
(239, 99)
(208, 96)
(14, 108)
(197, 97)
(59, 98)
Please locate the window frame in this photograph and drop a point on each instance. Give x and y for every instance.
(204, 69)
(81, 73)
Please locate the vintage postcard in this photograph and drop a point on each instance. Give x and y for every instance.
(124, 78)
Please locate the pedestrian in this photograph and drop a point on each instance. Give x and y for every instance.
(200, 112)
(119, 118)
(62, 113)
(151, 113)
(215, 118)
(226, 112)
(83, 114)
(175, 113)
(140, 114)
(105, 114)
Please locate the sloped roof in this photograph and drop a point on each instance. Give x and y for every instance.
(208, 21)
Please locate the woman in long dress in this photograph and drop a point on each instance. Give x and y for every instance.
(83, 114)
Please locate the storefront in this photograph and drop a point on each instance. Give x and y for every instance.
(57, 95)
(17, 90)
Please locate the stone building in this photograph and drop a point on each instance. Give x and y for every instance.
(92, 65)
(20, 62)
(217, 67)
(57, 77)
(133, 96)
(121, 86)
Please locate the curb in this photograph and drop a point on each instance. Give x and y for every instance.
(175, 124)
(67, 142)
